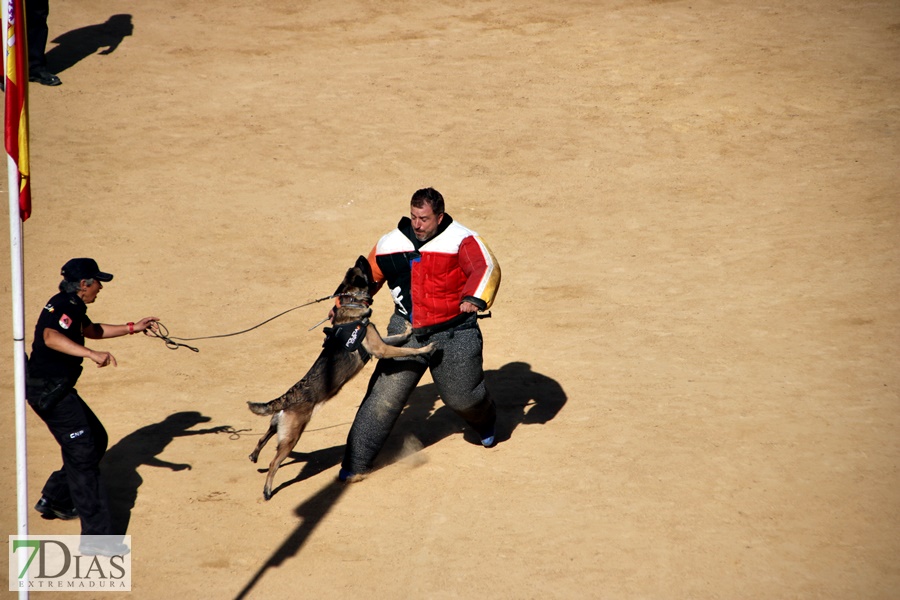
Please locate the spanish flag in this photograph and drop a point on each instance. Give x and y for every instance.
(16, 125)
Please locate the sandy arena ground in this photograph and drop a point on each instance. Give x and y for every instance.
(694, 350)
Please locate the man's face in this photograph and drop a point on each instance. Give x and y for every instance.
(424, 221)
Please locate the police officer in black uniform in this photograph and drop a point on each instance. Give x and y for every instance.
(54, 366)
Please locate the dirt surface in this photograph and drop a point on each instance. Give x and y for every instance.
(694, 349)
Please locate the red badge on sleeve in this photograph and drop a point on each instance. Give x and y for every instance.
(65, 322)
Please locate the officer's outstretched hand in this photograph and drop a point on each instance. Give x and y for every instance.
(103, 359)
(146, 323)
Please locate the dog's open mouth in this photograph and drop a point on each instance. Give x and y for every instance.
(363, 300)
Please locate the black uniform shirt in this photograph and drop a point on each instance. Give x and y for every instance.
(67, 314)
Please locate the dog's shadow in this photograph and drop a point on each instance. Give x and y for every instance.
(522, 396)
(141, 448)
(76, 45)
(314, 462)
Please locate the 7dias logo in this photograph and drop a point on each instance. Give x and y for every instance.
(70, 563)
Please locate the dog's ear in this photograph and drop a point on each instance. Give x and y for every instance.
(362, 263)
(346, 283)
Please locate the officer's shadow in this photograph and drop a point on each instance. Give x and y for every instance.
(80, 43)
(522, 396)
(140, 448)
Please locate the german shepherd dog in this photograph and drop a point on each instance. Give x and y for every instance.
(347, 347)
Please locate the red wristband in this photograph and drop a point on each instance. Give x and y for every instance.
(130, 328)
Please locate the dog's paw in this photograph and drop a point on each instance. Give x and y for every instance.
(428, 349)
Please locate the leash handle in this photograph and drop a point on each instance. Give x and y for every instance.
(162, 333)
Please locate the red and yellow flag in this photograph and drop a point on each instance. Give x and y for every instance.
(16, 125)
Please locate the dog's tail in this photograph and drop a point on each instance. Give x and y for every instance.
(267, 408)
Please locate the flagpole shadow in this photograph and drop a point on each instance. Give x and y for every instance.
(311, 513)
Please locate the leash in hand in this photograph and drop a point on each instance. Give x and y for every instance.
(162, 332)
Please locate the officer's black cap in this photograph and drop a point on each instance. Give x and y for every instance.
(84, 268)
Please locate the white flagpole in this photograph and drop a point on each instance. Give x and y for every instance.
(18, 314)
(18, 304)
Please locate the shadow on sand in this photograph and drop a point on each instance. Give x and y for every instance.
(140, 448)
(78, 44)
(523, 397)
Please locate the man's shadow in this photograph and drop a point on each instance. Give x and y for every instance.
(80, 43)
(522, 397)
(140, 448)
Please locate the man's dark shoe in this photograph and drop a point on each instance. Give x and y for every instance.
(43, 77)
(49, 511)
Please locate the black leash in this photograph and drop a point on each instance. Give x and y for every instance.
(162, 332)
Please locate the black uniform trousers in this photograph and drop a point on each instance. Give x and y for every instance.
(83, 441)
(36, 13)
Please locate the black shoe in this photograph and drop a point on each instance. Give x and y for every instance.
(49, 511)
(102, 548)
(44, 77)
